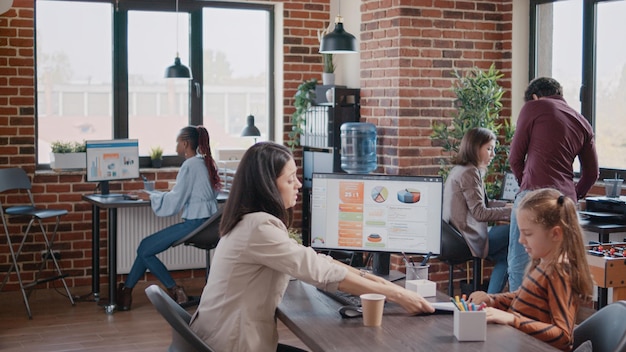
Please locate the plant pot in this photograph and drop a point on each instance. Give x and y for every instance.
(328, 79)
(157, 163)
(65, 161)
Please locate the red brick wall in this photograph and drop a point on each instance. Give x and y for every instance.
(408, 49)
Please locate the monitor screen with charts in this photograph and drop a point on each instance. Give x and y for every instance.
(376, 213)
(112, 160)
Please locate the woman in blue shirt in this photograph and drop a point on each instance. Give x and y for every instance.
(195, 193)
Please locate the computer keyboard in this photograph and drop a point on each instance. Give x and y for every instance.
(344, 298)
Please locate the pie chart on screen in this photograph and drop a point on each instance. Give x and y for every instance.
(409, 195)
(379, 194)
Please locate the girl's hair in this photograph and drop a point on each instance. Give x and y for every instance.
(470, 145)
(550, 208)
(254, 187)
(542, 87)
(198, 138)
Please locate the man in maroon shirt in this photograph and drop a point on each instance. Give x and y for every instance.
(549, 135)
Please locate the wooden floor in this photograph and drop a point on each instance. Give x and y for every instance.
(57, 326)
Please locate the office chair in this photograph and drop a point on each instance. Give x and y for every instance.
(15, 179)
(604, 329)
(183, 338)
(206, 237)
(454, 251)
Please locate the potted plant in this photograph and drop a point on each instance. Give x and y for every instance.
(156, 156)
(304, 97)
(478, 104)
(68, 155)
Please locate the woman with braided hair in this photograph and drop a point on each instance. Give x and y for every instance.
(195, 194)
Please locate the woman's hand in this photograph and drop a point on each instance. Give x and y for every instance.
(498, 316)
(141, 195)
(480, 297)
(412, 302)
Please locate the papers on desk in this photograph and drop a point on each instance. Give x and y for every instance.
(444, 306)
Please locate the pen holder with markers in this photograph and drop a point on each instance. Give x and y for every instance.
(470, 325)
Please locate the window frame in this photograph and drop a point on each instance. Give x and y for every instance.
(120, 89)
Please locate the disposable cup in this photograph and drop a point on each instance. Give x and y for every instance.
(417, 272)
(372, 305)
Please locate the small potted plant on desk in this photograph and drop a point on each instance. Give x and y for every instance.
(156, 156)
(68, 155)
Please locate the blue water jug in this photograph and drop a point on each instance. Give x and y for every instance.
(358, 147)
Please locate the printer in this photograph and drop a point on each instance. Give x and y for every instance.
(606, 209)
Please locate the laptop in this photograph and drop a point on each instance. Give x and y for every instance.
(509, 187)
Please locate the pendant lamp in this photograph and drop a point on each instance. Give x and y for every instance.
(251, 130)
(177, 70)
(338, 41)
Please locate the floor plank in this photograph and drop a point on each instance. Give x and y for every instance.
(57, 326)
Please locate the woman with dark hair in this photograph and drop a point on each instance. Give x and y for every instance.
(195, 194)
(255, 259)
(467, 208)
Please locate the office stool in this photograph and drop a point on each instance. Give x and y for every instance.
(15, 179)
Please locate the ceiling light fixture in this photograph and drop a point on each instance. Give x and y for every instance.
(338, 41)
(177, 70)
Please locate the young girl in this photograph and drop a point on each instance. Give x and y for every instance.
(557, 278)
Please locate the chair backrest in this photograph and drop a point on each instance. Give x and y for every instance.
(606, 329)
(454, 249)
(14, 179)
(183, 338)
(206, 236)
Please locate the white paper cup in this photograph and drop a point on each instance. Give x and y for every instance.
(372, 305)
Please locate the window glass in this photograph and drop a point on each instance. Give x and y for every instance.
(158, 107)
(559, 46)
(236, 75)
(611, 85)
(74, 72)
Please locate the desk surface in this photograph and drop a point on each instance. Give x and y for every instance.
(313, 317)
(114, 200)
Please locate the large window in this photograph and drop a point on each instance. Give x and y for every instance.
(576, 42)
(101, 66)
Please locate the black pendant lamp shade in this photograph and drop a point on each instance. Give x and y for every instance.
(250, 130)
(177, 70)
(338, 41)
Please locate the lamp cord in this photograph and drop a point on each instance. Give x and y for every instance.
(177, 28)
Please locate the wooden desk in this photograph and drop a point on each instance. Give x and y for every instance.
(314, 318)
(111, 203)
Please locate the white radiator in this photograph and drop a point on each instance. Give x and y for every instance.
(134, 224)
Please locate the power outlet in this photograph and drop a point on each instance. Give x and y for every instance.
(56, 254)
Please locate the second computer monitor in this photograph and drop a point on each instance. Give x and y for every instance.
(376, 213)
(112, 160)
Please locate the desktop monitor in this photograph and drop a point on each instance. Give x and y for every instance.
(112, 160)
(382, 214)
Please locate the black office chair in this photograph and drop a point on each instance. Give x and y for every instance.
(183, 338)
(204, 237)
(454, 251)
(606, 329)
(16, 179)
